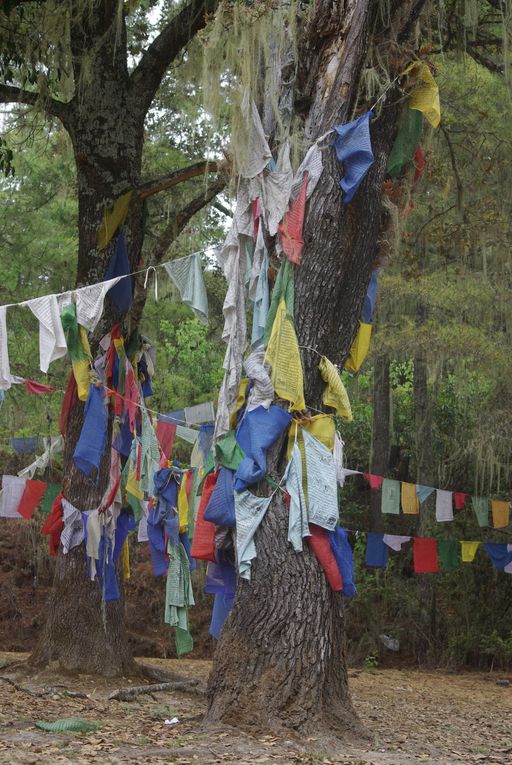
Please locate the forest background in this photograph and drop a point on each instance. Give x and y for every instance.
(432, 403)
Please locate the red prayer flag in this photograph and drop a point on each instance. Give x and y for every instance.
(321, 546)
(35, 387)
(189, 479)
(68, 402)
(54, 524)
(203, 543)
(291, 226)
(165, 432)
(31, 497)
(459, 499)
(425, 555)
(375, 481)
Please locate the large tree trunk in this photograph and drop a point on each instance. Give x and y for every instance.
(281, 659)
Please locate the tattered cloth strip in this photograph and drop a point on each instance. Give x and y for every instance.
(481, 508)
(359, 348)
(178, 597)
(390, 500)
(500, 513)
(337, 454)
(375, 481)
(376, 550)
(165, 432)
(258, 430)
(277, 189)
(354, 148)
(410, 501)
(187, 275)
(319, 542)
(53, 445)
(283, 355)
(93, 436)
(261, 303)
(52, 341)
(121, 293)
(258, 151)
(468, 551)
(444, 506)
(449, 554)
(425, 555)
(425, 93)
(395, 541)
(187, 434)
(261, 391)
(322, 484)
(298, 526)
(25, 445)
(31, 497)
(406, 141)
(313, 166)
(228, 451)
(250, 511)
(232, 258)
(196, 415)
(5, 370)
(342, 552)
(73, 532)
(203, 543)
(54, 524)
(335, 394)
(150, 453)
(35, 387)
(291, 227)
(113, 218)
(89, 302)
(79, 350)
(52, 489)
(12, 492)
(283, 288)
(371, 297)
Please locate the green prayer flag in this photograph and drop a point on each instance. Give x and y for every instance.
(284, 287)
(184, 641)
(481, 508)
(229, 452)
(406, 141)
(390, 497)
(448, 550)
(72, 333)
(51, 492)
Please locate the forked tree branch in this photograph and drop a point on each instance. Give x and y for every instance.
(13, 95)
(156, 185)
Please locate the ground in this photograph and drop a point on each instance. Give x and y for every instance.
(415, 717)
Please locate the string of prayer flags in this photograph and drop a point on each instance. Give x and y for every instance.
(410, 501)
(376, 550)
(354, 149)
(406, 142)
(500, 513)
(444, 506)
(335, 394)
(113, 218)
(424, 97)
(390, 498)
(359, 348)
(284, 357)
(425, 555)
(468, 551)
(292, 225)
(120, 294)
(187, 275)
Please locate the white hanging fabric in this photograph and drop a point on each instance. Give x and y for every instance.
(52, 341)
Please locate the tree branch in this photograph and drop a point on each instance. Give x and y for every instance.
(492, 66)
(12, 95)
(177, 176)
(179, 31)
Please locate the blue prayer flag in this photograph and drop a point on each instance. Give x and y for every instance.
(354, 148)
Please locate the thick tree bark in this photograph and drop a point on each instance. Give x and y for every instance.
(280, 661)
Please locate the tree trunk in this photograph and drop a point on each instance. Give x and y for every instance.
(281, 661)
(380, 440)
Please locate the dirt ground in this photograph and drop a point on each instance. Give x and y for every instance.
(415, 717)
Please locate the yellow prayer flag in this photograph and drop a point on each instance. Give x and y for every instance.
(410, 501)
(425, 95)
(82, 372)
(360, 348)
(126, 560)
(240, 401)
(283, 355)
(112, 219)
(468, 551)
(500, 513)
(183, 504)
(133, 486)
(335, 394)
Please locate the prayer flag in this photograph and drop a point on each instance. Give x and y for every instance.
(425, 555)
(390, 502)
(449, 554)
(376, 550)
(500, 513)
(468, 551)
(354, 149)
(31, 497)
(410, 501)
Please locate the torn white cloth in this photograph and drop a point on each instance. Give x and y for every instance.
(89, 302)
(257, 258)
(187, 275)
(338, 457)
(311, 164)
(321, 483)
(52, 446)
(298, 526)
(52, 342)
(73, 532)
(444, 506)
(199, 414)
(249, 511)
(262, 390)
(12, 492)
(258, 150)
(6, 379)
(233, 258)
(277, 188)
(395, 541)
